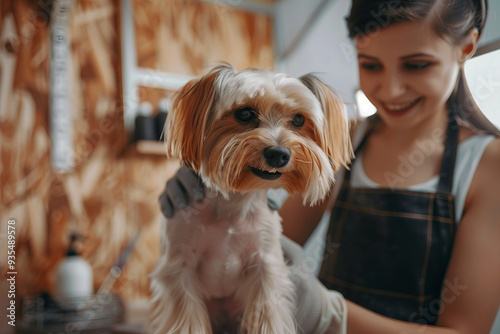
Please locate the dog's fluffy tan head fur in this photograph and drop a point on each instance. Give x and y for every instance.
(220, 126)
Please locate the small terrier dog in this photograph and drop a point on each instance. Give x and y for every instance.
(222, 268)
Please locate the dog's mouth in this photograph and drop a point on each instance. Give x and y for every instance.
(265, 174)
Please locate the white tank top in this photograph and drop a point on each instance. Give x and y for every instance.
(469, 154)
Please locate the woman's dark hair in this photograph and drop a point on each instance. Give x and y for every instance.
(451, 20)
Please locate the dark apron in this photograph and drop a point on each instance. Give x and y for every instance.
(388, 249)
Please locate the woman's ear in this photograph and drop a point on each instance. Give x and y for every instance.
(469, 45)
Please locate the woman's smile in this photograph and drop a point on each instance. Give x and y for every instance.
(400, 108)
(407, 70)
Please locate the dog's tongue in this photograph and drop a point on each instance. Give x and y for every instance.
(266, 175)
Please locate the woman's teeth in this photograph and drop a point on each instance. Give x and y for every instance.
(398, 107)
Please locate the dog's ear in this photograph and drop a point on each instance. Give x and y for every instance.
(187, 122)
(335, 139)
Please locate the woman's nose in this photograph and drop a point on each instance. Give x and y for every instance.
(392, 86)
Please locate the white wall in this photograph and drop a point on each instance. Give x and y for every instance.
(326, 49)
(492, 30)
(291, 16)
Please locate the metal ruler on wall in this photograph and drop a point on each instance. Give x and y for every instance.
(60, 115)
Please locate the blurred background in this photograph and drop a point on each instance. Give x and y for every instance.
(84, 88)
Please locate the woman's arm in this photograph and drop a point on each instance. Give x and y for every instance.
(475, 262)
(363, 321)
(471, 293)
(299, 221)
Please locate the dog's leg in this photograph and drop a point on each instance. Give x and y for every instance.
(268, 296)
(177, 300)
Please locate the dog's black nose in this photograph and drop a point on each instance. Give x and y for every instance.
(277, 156)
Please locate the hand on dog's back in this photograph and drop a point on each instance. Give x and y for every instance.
(182, 190)
(186, 188)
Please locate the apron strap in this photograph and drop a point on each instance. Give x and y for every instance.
(360, 138)
(450, 154)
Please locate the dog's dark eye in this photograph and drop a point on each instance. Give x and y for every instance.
(298, 120)
(245, 115)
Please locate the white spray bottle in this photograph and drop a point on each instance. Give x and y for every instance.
(74, 282)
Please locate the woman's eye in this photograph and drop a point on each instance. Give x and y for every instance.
(298, 120)
(245, 115)
(415, 66)
(371, 66)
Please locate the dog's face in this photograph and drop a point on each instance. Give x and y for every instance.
(254, 129)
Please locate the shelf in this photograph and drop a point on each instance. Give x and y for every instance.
(150, 147)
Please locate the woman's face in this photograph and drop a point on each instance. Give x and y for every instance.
(407, 72)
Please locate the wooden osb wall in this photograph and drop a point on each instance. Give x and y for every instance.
(113, 190)
(190, 37)
(187, 37)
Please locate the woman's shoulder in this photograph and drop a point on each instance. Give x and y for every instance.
(466, 133)
(486, 181)
(491, 157)
(491, 154)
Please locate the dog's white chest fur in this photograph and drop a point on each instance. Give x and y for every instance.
(222, 243)
(219, 238)
(223, 260)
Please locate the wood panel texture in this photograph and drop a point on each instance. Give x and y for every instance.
(189, 37)
(113, 190)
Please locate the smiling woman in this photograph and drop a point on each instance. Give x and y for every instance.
(483, 77)
(408, 73)
(416, 212)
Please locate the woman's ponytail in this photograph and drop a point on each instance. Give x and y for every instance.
(462, 104)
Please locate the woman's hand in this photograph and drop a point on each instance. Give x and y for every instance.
(181, 191)
(318, 310)
(186, 187)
